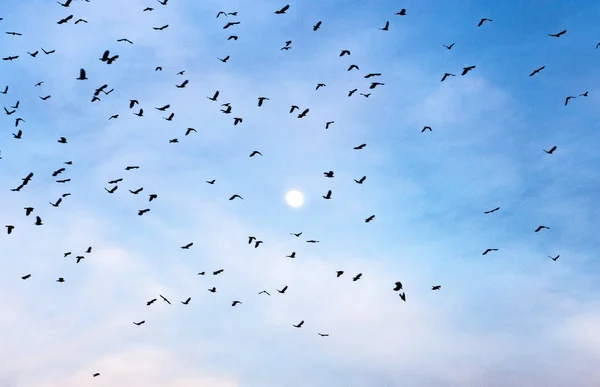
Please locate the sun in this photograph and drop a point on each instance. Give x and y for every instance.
(294, 198)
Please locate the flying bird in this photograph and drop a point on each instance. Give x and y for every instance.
(357, 277)
(426, 128)
(318, 25)
(370, 218)
(483, 21)
(160, 28)
(186, 301)
(541, 228)
(398, 286)
(567, 99)
(361, 146)
(554, 258)
(551, 151)
(436, 287)
(558, 35)
(488, 250)
(467, 69)
(328, 196)
(446, 75)
(386, 27)
(299, 325)
(448, 47)
(490, 211)
(282, 10)
(361, 180)
(234, 303)
(536, 71)
(188, 245)
(82, 75)
(236, 196)
(339, 273)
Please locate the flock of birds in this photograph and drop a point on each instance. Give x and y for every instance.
(226, 108)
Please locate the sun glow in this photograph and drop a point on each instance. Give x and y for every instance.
(294, 198)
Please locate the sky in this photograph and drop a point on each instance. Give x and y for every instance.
(510, 317)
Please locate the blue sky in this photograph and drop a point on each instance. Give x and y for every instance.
(511, 317)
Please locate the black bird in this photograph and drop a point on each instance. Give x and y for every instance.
(5, 90)
(312, 241)
(361, 180)
(212, 290)
(294, 107)
(386, 27)
(125, 40)
(139, 323)
(584, 94)
(190, 130)
(446, 75)
(152, 301)
(361, 146)
(186, 301)
(236, 196)
(115, 181)
(467, 69)
(265, 292)
(296, 235)
(152, 197)
(536, 71)
(112, 190)
(96, 374)
(541, 228)
(357, 277)
(232, 37)
(353, 66)
(403, 296)
(370, 75)
(137, 191)
(558, 35)
(164, 2)
(82, 75)
(303, 114)
(292, 255)
(344, 52)
(490, 211)
(483, 21)
(282, 10)
(398, 286)
(320, 85)
(328, 196)
(38, 221)
(257, 243)
(9, 228)
(370, 218)
(554, 258)
(282, 291)
(352, 92)
(299, 325)
(66, 3)
(448, 47)
(211, 181)
(217, 272)
(57, 202)
(254, 153)
(45, 98)
(60, 279)
(567, 99)
(323, 334)
(339, 273)
(48, 52)
(162, 109)
(63, 21)
(26, 276)
(551, 150)
(375, 84)
(80, 21)
(230, 24)
(140, 114)
(234, 303)
(28, 210)
(62, 140)
(14, 33)
(426, 128)
(11, 57)
(164, 299)
(436, 287)
(160, 28)
(261, 99)
(402, 12)
(79, 258)
(237, 120)
(224, 59)
(9, 112)
(63, 181)
(214, 97)
(170, 118)
(33, 54)
(488, 250)
(131, 167)
(328, 174)
(142, 212)
(188, 245)
(329, 123)
(317, 26)
(183, 84)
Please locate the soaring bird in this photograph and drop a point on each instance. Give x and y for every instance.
(446, 75)
(361, 180)
(567, 99)
(188, 245)
(448, 47)
(234, 303)
(370, 218)
(82, 75)
(165, 299)
(488, 250)
(296, 235)
(186, 301)
(467, 69)
(299, 324)
(361, 146)
(483, 21)
(554, 258)
(139, 323)
(357, 277)
(558, 35)
(282, 10)
(402, 12)
(254, 153)
(551, 150)
(323, 334)
(282, 291)
(339, 273)
(328, 195)
(541, 228)
(386, 27)
(536, 71)
(490, 211)
(261, 99)
(398, 286)
(236, 196)
(426, 128)
(436, 287)
(317, 26)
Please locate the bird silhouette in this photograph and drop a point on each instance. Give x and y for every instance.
(234, 303)
(488, 250)
(282, 291)
(361, 180)
(551, 150)
(282, 10)
(165, 299)
(254, 153)
(446, 75)
(186, 302)
(82, 75)
(398, 286)
(436, 287)
(554, 258)
(188, 245)
(448, 47)
(559, 34)
(328, 195)
(483, 21)
(536, 71)
(339, 273)
(370, 218)
(541, 228)
(467, 69)
(236, 196)
(357, 277)
(299, 325)
(490, 211)
(317, 26)
(361, 146)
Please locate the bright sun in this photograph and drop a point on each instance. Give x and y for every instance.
(294, 198)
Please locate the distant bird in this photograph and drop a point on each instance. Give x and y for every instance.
(426, 128)
(237, 120)
(170, 118)
(60, 279)
(296, 235)
(63, 21)
(446, 75)
(344, 52)
(190, 130)
(212, 290)
(44, 98)
(386, 27)
(48, 52)
(234, 37)
(402, 12)
(488, 250)
(551, 151)
(142, 212)
(89, 250)
(251, 239)
(490, 211)
(33, 54)
(160, 28)
(352, 92)
(318, 25)
(282, 10)
(483, 21)
(57, 202)
(328, 123)
(140, 113)
(186, 301)
(320, 85)
(375, 84)
(254, 153)
(148, 9)
(265, 292)
(182, 84)
(137, 191)
(131, 167)
(62, 140)
(448, 47)
(541, 228)
(236, 196)
(294, 107)
(467, 69)
(361, 146)
(398, 286)
(188, 245)
(536, 71)
(125, 40)
(261, 99)
(139, 323)
(112, 190)
(361, 180)
(299, 325)
(257, 243)
(357, 277)
(312, 241)
(292, 255)
(554, 258)
(132, 102)
(323, 334)
(234, 303)
(211, 181)
(38, 221)
(339, 273)
(328, 195)
(303, 114)
(370, 218)
(165, 299)
(152, 197)
(402, 296)
(163, 108)
(217, 272)
(328, 174)
(214, 97)
(224, 59)
(164, 2)
(567, 99)
(80, 21)
(26, 276)
(82, 75)
(9, 229)
(66, 3)
(370, 75)
(558, 35)
(96, 374)
(584, 94)
(282, 291)
(436, 287)
(28, 210)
